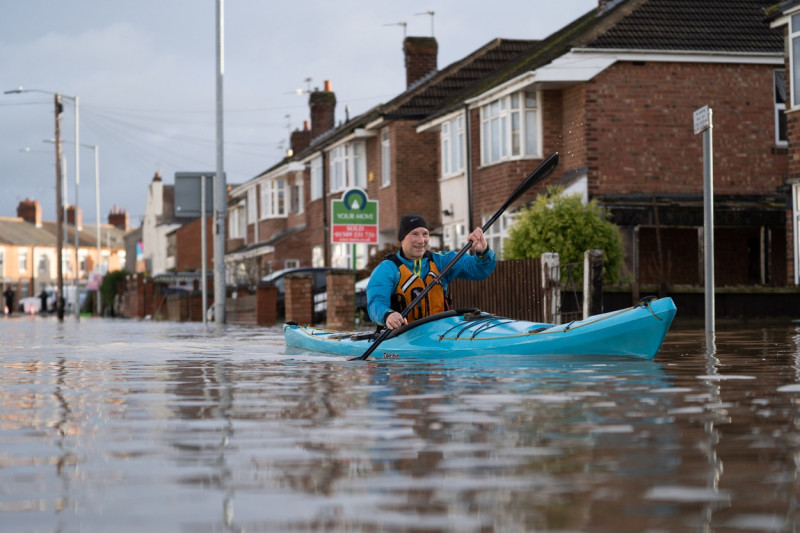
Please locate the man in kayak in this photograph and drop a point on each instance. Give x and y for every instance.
(401, 276)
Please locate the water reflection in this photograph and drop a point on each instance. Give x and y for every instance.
(117, 426)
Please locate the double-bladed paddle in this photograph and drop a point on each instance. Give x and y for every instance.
(541, 172)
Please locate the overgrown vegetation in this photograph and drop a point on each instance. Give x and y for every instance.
(563, 224)
(108, 289)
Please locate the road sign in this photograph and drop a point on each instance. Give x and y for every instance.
(354, 218)
(702, 119)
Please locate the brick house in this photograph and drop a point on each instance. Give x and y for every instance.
(28, 249)
(785, 16)
(614, 93)
(280, 218)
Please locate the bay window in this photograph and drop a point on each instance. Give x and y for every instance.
(273, 198)
(348, 167)
(510, 128)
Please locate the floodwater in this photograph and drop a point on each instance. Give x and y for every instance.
(122, 425)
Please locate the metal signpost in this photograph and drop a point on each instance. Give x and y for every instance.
(703, 124)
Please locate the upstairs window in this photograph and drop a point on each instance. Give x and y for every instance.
(780, 108)
(510, 128)
(23, 261)
(452, 136)
(252, 206)
(794, 57)
(316, 178)
(348, 167)
(297, 196)
(273, 198)
(236, 223)
(386, 159)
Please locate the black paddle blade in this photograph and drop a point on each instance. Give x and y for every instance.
(537, 176)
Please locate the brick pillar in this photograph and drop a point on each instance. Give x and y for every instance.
(341, 299)
(266, 305)
(299, 298)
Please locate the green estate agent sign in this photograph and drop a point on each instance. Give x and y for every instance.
(355, 218)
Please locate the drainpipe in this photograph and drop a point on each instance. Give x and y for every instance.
(468, 166)
(325, 225)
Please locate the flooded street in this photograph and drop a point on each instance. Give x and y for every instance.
(121, 425)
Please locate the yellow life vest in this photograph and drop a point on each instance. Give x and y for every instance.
(411, 285)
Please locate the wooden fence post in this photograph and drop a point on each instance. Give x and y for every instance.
(551, 283)
(592, 283)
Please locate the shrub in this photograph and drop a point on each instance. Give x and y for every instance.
(561, 223)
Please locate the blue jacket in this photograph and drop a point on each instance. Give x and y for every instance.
(386, 276)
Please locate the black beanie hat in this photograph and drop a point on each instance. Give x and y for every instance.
(408, 223)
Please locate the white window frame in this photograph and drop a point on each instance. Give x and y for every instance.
(497, 234)
(342, 255)
(236, 223)
(297, 206)
(348, 166)
(794, 57)
(273, 198)
(22, 260)
(252, 206)
(316, 178)
(2, 263)
(82, 255)
(452, 140)
(386, 158)
(779, 97)
(510, 128)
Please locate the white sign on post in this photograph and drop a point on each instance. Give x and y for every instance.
(701, 120)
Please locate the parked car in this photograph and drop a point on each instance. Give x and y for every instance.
(319, 285)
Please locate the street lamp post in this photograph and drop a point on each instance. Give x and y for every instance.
(98, 239)
(59, 212)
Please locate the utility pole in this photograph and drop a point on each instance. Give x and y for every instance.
(59, 212)
(220, 187)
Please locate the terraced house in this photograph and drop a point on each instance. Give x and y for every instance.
(613, 92)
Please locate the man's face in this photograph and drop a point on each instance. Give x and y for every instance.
(415, 243)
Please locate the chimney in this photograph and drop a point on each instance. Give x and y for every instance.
(30, 211)
(71, 216)
(300, 139)
(421, 55)
(118, 218)
(322, 105)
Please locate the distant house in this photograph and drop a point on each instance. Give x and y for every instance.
(28, 262)
(281, 218)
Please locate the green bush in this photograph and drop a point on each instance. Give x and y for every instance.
(108, 289)
(563, 224)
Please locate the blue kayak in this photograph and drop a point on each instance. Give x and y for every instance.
(633, 332)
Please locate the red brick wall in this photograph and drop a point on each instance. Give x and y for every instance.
(299, 298)
(415, 178)
(640, 134)
(188, 251)
(341, 299)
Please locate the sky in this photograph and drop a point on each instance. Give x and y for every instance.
(144, 73)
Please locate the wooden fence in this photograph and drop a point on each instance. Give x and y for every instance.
(514, 290)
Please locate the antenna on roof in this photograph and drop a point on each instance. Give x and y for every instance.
(430, 12)
(403, 24)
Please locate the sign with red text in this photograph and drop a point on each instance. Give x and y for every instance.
(354, 218)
